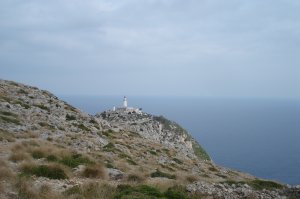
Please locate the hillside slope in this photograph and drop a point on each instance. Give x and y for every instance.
(50, 149)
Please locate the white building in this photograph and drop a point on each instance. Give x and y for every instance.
(127, 109)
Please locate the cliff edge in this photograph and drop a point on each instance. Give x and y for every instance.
(50, 149)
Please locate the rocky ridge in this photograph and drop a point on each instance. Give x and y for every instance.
(128, 144)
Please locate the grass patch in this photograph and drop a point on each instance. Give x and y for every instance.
(46, 125)
(70, 108)
(142, 191)
(37, 154)
(199, 151)
(43, 107)
(134, 178)
(161, 174)
(127, 158)
(51, 158)
(7, 119)
(109, 147)
(6, 113)
(257, 184)
(5, 172)
(48, 171)
(91, 191)
(24, 105)
(167, 167)
(149, 192)
(94, 171)
(75, 160)
(109, 133)
(264, 184)
(131, 162)
(19, 156)
(82, 127)
(4, 135)
(192, 178)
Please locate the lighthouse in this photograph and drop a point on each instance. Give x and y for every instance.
(125, 102)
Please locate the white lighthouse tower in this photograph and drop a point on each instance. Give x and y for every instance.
(125, 102)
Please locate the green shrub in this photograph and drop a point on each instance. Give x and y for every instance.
(92, 121)
(70, 117)
(22, 91)
(153, 152)
(51, 172)
(159, 173)
(213, 169)
(75, 160)
(177, 161)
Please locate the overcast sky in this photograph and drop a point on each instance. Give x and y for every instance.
(207, 48)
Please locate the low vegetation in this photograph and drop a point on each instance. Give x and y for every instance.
(4, 135)
(264, 184)
(70, 117)
(9, 119)
(43, 107)
(94, 171)
(177, 161)
(109, 147)
(91, 190)
(48, 171)
(75, 160)
(258, 184)
(135, 178)
(199, 151)
(150, 192)
(19, 156)
(161, 174)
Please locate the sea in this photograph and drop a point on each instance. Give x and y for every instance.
(257, 136)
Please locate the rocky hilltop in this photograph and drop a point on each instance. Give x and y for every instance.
(50, 149)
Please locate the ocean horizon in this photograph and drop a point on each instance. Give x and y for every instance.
(256, 136)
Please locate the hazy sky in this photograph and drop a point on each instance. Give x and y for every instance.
(210, 48)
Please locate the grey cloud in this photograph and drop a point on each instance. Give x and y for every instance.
(170, 47)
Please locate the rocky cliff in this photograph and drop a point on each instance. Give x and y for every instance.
(50, 149)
